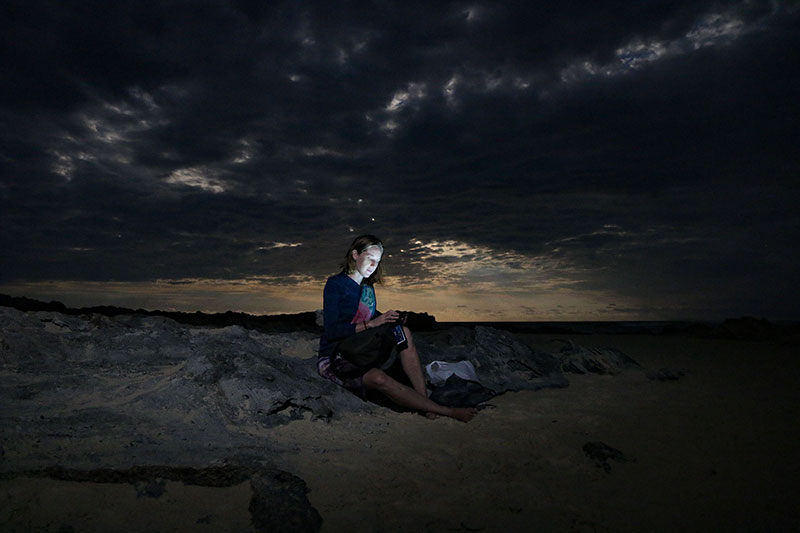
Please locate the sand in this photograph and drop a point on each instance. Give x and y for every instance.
(714, 450)
(41, 504)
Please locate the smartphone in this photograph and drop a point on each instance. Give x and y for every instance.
(400, 337)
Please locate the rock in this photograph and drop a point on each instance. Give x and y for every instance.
(505, 364)
(501, 361)
(742, 328)
(266, 323)
(156, 389)
(420, 321)
(456, 336)
(601, 453)
(580, 360)
(748, 327)
(152, 385)
(458, 392)
(280, 503)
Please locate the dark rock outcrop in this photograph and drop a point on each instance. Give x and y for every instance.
(502, 362)
(267, 323)
(150, 389)
(159, 384)
(458, 392)
(581, 360)
(129, 391)
(742, 328)
(153, 390)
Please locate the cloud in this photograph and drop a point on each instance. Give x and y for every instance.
(628, 150)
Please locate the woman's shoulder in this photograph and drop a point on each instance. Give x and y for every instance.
(339, 279)
(336, 277)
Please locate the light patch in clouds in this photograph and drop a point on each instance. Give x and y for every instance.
(101, 130)
(344, 54)
(714, 29)
(711, 30)
(449, 90)
(521, 83)
(403, 97)
(63, 165)
(493, 81)
(606, 230)
(111, 122)
(482, 268)
(245, 152)
(320, 151)
(472, 13)
(274, 245)
(105, 133)
(390, 126)
(638, 53)
(197, 177)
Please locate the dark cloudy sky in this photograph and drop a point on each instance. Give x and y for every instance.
(522, 160)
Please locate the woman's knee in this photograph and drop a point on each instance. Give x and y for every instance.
(376, 379)
(409, 337)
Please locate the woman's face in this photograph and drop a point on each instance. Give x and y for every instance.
(367, 261)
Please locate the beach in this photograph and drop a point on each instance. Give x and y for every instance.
(713, 449)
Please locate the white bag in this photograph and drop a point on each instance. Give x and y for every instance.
(439, 371)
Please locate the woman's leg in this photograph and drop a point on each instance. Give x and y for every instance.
(407, 397)
(409, 360)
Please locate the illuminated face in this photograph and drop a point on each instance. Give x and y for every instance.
(368, 260)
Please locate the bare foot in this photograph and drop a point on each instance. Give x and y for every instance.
(465, 414)
(431, 416)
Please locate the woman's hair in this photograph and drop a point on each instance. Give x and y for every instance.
(360, 244)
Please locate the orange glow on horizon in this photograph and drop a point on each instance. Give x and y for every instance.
(453, 303)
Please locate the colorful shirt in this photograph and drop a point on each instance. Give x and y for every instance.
(366, 305)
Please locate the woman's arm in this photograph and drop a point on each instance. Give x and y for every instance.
(336, 325)
(379, 319)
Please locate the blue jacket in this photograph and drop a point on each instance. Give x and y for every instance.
(340, 304)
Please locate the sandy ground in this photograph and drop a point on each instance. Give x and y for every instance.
(39, 504)
(715, 450)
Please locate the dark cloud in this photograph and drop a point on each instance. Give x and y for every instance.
(641, 150)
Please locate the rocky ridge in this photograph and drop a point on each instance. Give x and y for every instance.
(96, 395)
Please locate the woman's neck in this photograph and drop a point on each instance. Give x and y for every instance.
(356, 276)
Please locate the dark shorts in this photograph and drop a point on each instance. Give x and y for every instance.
(354, 383)
(346, 374)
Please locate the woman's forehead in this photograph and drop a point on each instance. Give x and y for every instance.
(372, 250)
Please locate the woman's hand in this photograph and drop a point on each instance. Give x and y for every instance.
(388, 316)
